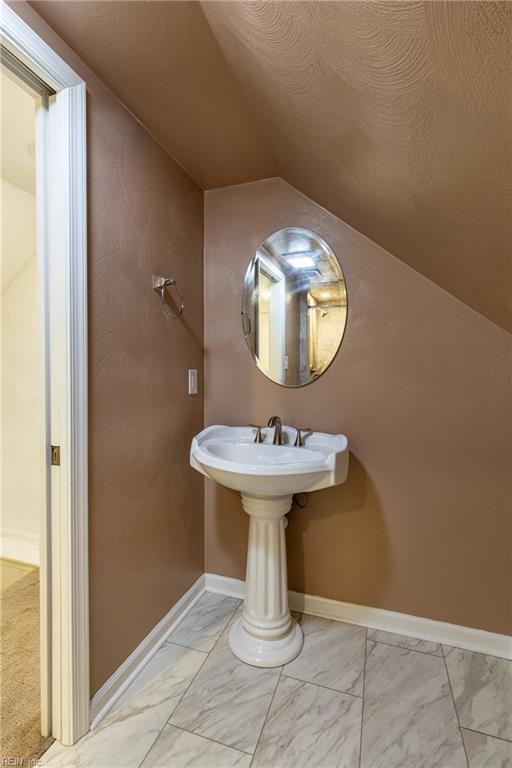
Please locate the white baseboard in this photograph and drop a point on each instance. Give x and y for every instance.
(377, 618)
(117, 683)
(20, 546)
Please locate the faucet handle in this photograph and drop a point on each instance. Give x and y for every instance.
(302, 434)
(259, 437)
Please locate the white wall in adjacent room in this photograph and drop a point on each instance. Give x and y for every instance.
(21, 457)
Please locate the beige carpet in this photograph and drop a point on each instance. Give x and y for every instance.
(20, 735)
(12, 570)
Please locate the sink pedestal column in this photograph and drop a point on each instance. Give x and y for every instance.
(266, 635)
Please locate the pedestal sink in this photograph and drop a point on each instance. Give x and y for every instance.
(267, 476)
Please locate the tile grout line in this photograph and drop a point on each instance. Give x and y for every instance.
(230, 615)
(319, 685)
(220, 743)
(405, 648)
(487, 735)
(479, 653)
(228, 746)
(455, 707)
(209, 738)
(173, 709)
(226, 625)
(362, 703)
(207, 654)
(191, 647)
(388, 631)
(266, 716)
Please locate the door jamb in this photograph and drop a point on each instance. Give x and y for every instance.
(62, 250)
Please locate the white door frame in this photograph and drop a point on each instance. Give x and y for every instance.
(62, 256)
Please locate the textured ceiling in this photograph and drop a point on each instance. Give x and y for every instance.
(162, 60)
(396, 116)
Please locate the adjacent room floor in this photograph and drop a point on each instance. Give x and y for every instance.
(354, 698)
(20, 710)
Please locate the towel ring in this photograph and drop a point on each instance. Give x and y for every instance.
(159, 284)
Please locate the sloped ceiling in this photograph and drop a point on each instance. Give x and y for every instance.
(17, 178)
(17, 133)
(396, 116)
(162, 60)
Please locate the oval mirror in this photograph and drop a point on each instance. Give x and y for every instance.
(294, 307)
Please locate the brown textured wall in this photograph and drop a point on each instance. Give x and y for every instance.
(146, 503)
(421, 388)
(396, 115)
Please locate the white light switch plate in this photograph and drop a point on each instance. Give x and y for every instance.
(192, 381)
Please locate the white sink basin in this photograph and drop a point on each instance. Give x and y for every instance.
(267, 476)
(230, 456)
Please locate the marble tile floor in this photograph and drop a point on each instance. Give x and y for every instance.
(354, 698)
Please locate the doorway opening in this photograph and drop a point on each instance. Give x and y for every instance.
(24, 470)
(44, 395)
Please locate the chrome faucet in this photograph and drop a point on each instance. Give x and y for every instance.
(275, 421)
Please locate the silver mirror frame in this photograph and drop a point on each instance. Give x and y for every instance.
(247, 289)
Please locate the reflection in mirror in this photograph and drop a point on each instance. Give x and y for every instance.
(294, 306)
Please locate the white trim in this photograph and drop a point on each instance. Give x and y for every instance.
(63, 254)
(68, 350)
(117, 683)
(45, 554)
(27, 46)
(377, 618)
(224, 585)
(20, 546)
